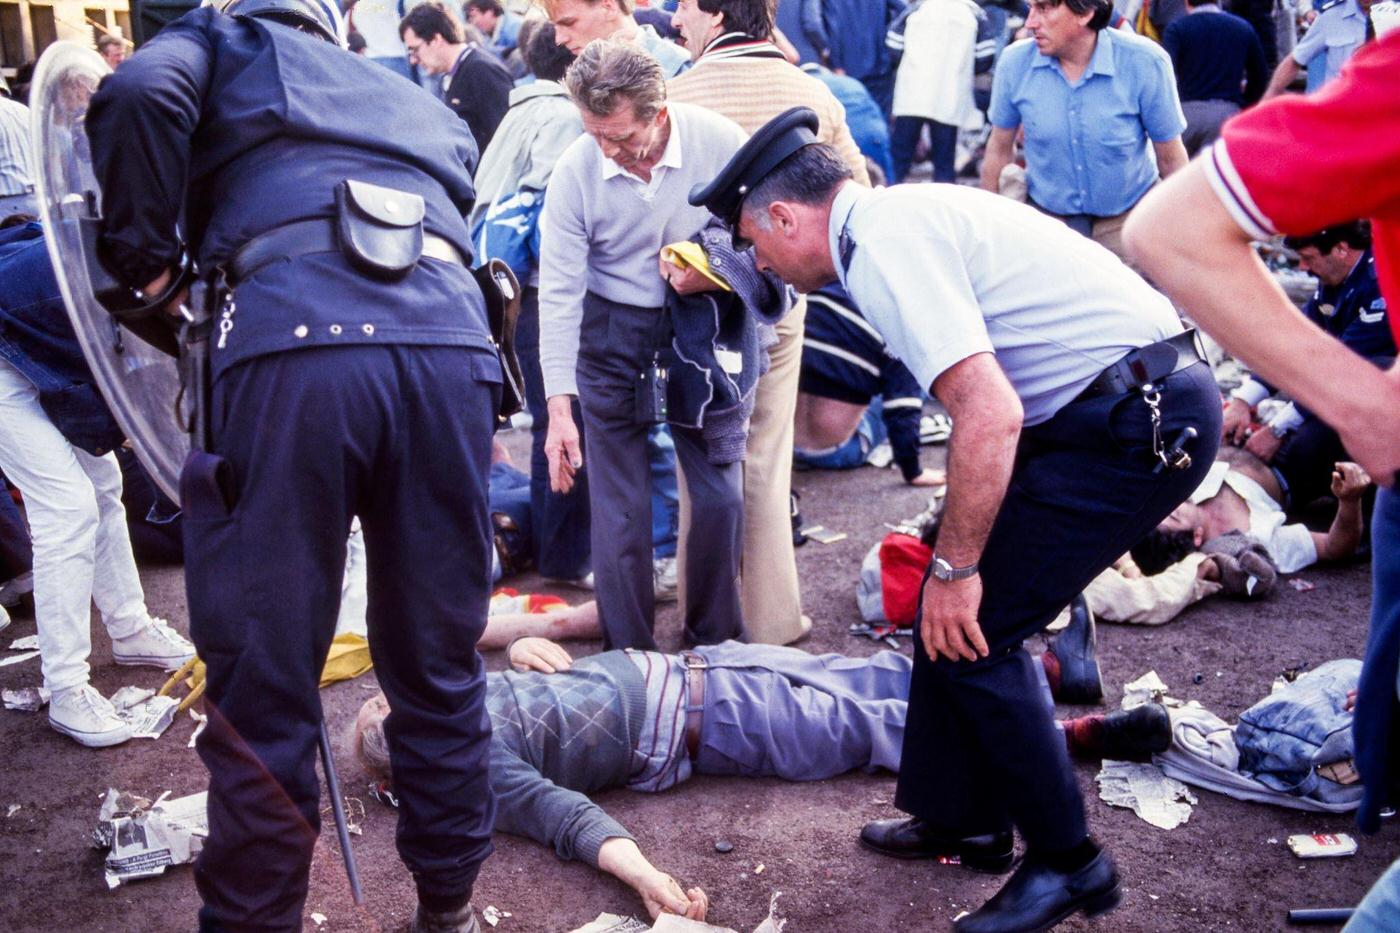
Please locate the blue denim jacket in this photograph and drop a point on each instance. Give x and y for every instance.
(37, 338)
(1284, 737)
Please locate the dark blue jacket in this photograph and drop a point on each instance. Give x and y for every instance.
(247, 125)
(37, 338)
(1354, 312)
(853, 32)
(1211, 52)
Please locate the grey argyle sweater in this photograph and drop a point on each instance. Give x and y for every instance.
(558, 737)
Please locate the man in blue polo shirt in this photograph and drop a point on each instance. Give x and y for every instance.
(1090, 100)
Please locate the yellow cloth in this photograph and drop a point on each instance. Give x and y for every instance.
(349, 658)
(688, 254)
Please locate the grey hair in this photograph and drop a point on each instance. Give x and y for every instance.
(808, 176)
(610, 71)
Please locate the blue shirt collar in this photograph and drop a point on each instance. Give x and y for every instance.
(1100, 63)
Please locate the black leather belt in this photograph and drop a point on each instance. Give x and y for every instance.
(695, 700)
(1146, 365)
(306, 237)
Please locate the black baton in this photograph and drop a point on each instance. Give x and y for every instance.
(1320, 916)
(338, 808)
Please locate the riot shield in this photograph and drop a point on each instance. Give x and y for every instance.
(140, 382)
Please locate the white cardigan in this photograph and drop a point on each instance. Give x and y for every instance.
(934, 80)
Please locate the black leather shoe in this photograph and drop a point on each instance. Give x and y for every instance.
(1080, 681)
(913, 839)
(1136, 734)
(1037, 898)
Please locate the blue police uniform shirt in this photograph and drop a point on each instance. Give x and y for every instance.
(1087, 146)
(1339, 30)
(250, 125)
(946, 271)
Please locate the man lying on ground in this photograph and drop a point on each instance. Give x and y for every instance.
(644, 720)
(1241, 494)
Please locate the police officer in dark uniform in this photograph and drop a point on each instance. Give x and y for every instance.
(352, 374)
(1082, 415)
(1300, 447)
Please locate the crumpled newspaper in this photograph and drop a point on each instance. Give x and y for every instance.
(143, 838)
(1162, 801)
(28, 699)
(147, 714)
(1148, 688)
(670, 923)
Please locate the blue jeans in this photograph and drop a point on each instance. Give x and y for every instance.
(869, 434)
(665, 493)
(509, 495)
(1380, 911)
(1376, 727)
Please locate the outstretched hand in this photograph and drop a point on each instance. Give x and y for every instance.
(1349, 481)
(663, 894)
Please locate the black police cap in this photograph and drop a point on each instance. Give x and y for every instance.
(777, 139)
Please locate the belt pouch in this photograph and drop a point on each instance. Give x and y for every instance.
(380, 229)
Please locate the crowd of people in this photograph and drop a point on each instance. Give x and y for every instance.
(722, 271)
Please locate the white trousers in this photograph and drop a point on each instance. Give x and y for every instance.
(82, 549)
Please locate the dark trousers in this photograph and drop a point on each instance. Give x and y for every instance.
(615, 343)
(560, 520)
(943, 147)
(303, 441)
(1304, 464)
(981, 750)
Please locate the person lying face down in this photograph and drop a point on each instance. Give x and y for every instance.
(563, 729)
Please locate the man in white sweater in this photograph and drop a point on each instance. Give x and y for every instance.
(616, 197)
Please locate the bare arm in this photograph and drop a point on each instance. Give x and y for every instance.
(987, 418)
(1283, 76)
(1171, 156)
(1349, 484)
(1001, 148)
(1186, 240)
(621, 858)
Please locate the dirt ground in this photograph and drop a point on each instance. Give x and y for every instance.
(1227, 868)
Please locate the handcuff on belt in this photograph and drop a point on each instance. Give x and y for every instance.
(1142, 371)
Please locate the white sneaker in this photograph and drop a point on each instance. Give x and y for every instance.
(14, 588)
(87, 717)
(155, 644)
(663, 579)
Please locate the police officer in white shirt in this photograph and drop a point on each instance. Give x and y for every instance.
(1082, 415)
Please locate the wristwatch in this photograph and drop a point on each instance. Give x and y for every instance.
(947, 573)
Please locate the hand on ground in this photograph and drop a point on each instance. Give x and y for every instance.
(663, 894)
(539, 654)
